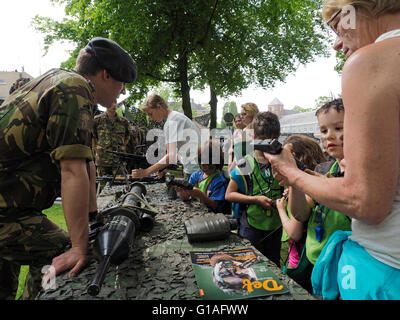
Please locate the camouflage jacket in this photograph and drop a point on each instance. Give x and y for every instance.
(110, 134)
(47, 120)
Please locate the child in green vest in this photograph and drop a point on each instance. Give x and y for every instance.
(209, 184)
(309, 152)
(253, 186)
(322, 221)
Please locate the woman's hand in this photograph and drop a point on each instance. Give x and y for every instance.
(283, 165)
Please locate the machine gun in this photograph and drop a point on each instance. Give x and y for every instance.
(139, 160)
(274, 147)
(115, 238)
(130, 156)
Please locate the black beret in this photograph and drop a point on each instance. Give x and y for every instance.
(112, 57)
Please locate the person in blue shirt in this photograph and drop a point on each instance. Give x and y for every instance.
(209, 184)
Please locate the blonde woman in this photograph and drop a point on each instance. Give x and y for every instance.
(248, 112)
(368, 33)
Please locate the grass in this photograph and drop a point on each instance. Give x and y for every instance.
(55, 214)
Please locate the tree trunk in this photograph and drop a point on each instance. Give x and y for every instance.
(213, 111)
(185, 89)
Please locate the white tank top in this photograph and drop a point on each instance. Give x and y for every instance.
(382, 241)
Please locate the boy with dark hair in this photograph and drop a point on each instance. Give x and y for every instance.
(209, 184)
(255, 189)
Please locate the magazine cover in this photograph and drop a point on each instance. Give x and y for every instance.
(234, 274)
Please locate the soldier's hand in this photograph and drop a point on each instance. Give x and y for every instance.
(74, 259)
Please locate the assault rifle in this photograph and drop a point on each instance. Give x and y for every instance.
(114, 239)
(179, 183)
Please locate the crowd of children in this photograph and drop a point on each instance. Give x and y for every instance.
(268, 213)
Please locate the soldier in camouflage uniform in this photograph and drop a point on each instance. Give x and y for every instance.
(110, 132)
(45, 151)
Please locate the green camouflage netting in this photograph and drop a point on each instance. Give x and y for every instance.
(159, 266)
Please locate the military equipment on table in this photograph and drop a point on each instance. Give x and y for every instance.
(179, 183)
(274, 147)
(117, 180)
(115, 238)
(209, 227)
(112, 246)
(129, 156)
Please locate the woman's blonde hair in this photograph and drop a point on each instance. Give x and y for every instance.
(152, 101)
(374, 7)
(250, 108)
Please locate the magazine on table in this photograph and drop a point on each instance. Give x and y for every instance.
(234, 274)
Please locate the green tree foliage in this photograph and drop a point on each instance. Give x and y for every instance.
(300, 109)
(320, 101)
(225, 45)
(340, 61)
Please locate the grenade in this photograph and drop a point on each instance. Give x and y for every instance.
(210, 227)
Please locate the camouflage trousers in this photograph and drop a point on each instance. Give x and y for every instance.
(29, 240)
(102, 171)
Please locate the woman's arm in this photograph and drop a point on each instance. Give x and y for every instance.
(371, 143)
(170, 157)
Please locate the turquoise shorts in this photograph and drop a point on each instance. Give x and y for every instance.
(362, 277)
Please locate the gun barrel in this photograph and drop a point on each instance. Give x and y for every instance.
(97, 282)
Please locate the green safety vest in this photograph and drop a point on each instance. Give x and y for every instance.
(332, 221)
(262, 183)
(205, 184)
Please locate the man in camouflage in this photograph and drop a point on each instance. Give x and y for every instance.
(110, 132)
(45, 151)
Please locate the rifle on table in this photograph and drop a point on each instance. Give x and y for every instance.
(114, 239)
(179, 183)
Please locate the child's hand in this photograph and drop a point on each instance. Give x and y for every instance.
(195, 192)
(280, 204)
(182, 193)
(285, 193)
(263, 201)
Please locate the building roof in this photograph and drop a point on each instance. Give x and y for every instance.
(299, 118)
(275, 102)
(7, 78)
